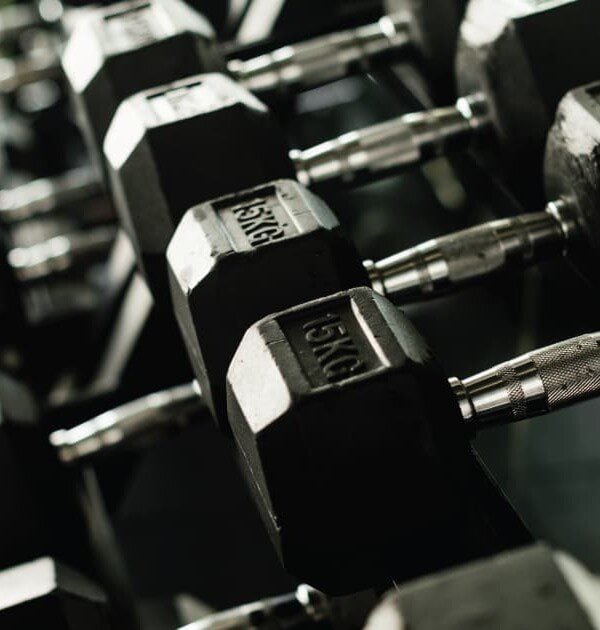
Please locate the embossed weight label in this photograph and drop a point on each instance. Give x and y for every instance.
(257, 221)
(330, 344)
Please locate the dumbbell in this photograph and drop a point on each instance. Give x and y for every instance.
(46, 594)
(43, 61)
(534, 587)
(233, 261)
(356, 446)
(570, 224)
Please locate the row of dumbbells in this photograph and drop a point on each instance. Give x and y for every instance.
(26, 86)
(315, 392)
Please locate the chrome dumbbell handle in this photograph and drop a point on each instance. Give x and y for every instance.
(533, 384)
(305, 606)
(128, 423)
(462, 258)
(61, 254)
(391, 146)
(46, 195)
(324, 59)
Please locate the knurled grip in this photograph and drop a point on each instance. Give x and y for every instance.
(532, 384)
(516, 393)
(569, 371)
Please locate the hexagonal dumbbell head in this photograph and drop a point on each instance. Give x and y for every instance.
(524, 56)
(239, 258)
(350, 438)
(572, 170)
(533, 587)
(45, 594)
(166, 150)
(127, 47)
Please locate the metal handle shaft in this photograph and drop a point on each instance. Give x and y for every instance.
(324, 59)
(60, 254)
(46, 195)
(536, 383)
(455, 260)
(127, 423)
(305, 606)
(389, 147)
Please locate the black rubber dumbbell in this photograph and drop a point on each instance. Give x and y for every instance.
(356, 446)
(569, 226)
(534, 587)
(45, 594)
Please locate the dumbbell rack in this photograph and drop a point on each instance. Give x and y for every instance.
(477, 327)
